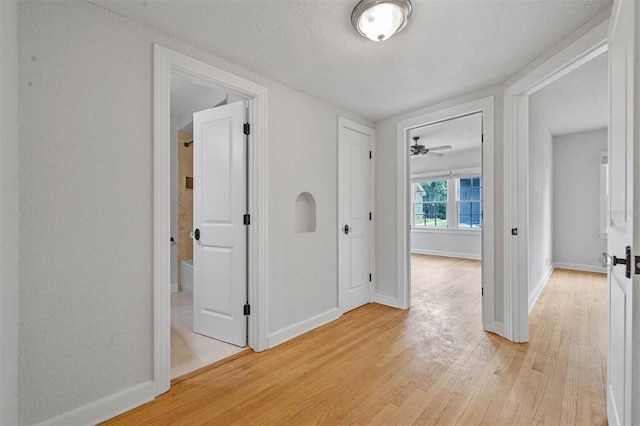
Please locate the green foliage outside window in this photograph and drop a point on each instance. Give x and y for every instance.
(431, 204)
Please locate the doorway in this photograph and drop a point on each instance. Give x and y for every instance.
(568, 123)
(516, 162)
(191, 349)
(481, 114)
(167, 63)
(446, 202)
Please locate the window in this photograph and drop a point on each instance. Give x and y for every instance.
(470, 202)
(430, 204)
(434, 208)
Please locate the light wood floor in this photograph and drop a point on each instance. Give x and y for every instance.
(432, 364)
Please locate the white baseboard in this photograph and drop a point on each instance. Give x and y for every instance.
(578, 267)
(447, 254)
(302, 327)
(174, 287)
(383, 299)
(107, 407)
(533, 297)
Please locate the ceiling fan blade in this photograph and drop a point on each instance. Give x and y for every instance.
(439, 148)
(438, 154)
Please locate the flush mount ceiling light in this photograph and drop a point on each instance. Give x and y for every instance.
(378, 20)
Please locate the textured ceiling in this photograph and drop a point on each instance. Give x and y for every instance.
(578, 101)
(185, 93)
(450, 47)
(187, 97)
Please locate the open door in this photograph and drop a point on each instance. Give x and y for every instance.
(220, 235)
(622, 241)
(355, 143)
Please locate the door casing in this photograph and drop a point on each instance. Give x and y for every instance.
(167, 62)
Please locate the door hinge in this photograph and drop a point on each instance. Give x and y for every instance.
(369, 277)
(482, 291)
(514, 231)
(482, 138)
(247, 309)
(369, 215)
(247, 128)
(246, 219)
(370, 155)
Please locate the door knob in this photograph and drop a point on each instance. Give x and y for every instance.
(195, 234)
(347, 229)
(607, 260)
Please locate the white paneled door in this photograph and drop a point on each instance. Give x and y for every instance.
(623, 359)
(220, 235)
(355, 143)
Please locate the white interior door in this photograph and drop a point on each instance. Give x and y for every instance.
(220, 240)
(622, 381)
(355, 143)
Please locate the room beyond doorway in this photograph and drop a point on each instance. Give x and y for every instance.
(446, 187)
(479, 213)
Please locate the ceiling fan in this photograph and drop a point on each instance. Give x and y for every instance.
(421, 150)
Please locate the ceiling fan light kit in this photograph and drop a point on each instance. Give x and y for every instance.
(378, 20)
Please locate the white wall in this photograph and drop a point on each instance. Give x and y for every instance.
(8, 212)
(86, 204)
(387, 197)
(454, 243)
(540, 201)
(576, 203)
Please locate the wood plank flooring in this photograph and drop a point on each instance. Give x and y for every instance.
(431, 364)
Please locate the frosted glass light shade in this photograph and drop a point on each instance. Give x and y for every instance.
(378, 20)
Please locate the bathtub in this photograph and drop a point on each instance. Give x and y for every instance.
(186, 276)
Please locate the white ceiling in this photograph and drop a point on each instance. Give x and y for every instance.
(463, 133)
(187, 97)
(185, 92)
(450, 47)
(578, 101)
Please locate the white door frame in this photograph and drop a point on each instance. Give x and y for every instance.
(486, 107)
(166, 62)
(516, 171)
(345, 122)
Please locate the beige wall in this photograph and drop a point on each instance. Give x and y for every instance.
(185, 201)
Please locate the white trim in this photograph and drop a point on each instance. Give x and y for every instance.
(166, 62)
(533, 297)
(579, 267)
(383, 299)
(447, 254)
(486, 106)
(516, 171)
(447, 174)
(174, 287)
(449, 231)
(365, 130)
(302, 327)
(107, 407)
